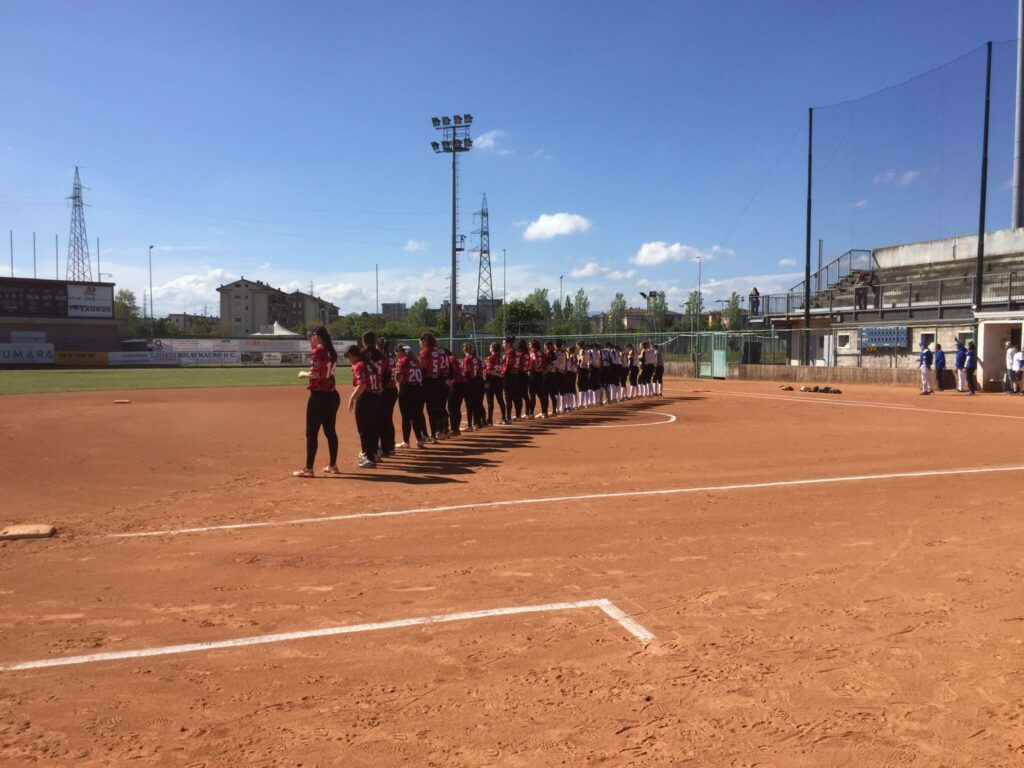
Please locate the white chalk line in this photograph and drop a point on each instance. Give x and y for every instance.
(579, 497)
(669, 420)
(828, 399)
(609, 608)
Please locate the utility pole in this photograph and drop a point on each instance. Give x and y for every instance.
(1018, 149)
(78, 266)
(34, 275)
(504, 295)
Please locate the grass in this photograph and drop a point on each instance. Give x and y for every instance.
(77, 380)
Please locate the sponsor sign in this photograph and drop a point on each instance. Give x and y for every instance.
(271, 358)
(80, 358)
(26, 354)
(130, 358)
(91, 301)
(28, 337)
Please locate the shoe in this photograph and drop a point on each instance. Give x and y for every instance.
(378, 455)
(433, 440)
(365, 463)
(402, 445)
(331, 469)
(421, 444)
(455, 433)
(389, 454)
(304, 472)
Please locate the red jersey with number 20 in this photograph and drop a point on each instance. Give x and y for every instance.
(363, 374)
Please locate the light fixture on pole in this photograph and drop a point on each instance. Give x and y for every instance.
(152, 314)
(454, 139)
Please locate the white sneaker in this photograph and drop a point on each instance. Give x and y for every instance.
(402, 445)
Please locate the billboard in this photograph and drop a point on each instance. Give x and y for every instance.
(26, 354)
(21, 297)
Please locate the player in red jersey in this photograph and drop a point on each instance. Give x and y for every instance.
(494, 384)
(323, 403)
(388, 398)
(522, 371)
(433, 385)
(456, 394)
(510, 373)
(365, 401)
(473, 369)
(409, 376)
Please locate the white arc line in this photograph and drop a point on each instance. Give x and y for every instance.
(580, 497)
(609, 608)
(669, 420)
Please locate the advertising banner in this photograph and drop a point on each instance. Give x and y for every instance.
(80, 358)
(131, 358)
(26, 354)
(91, 301)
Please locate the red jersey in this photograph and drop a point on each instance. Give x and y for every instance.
(509, 362)
(408, 374)
(387, 372)
(536, 361)
(472, 367)
(493, 364)
(456, 370)
(321, 371)
(366, 375)
(522, 362)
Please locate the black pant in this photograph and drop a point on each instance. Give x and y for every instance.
(659, 374)
(368, 408)
(456, 395)
(552, 388)
(513, 397)
(537, 392)
(972, 382)
(475, 402)
(495, 389)
(433, 391)
(388, 398)
(410, 403)
(938, 378)
(322, 411)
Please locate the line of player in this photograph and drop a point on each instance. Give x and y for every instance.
(432, 385)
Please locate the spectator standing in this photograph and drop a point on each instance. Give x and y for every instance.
(755, 301)
(958, 363)
(925, 364)
(1018, 372)
(1010, 378)
(940, 367)
(970, 367)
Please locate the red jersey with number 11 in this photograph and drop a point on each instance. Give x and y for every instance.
(367, 376)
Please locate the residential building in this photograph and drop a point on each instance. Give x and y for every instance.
(394, 311)
(306, 309)
(185, 322)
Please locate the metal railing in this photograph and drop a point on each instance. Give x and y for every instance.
(1002, 289)
(838, 270)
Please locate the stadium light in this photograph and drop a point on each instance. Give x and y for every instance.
(152, 313)
(454, 139)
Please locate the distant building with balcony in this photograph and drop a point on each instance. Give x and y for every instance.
(919, 291)
(186, 323)
(394, 311)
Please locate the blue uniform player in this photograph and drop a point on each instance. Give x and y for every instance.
(958, 362)
(970, 366)
(925, 364)
(940, 366)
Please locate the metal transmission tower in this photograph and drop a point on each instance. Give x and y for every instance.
(484, 281)
(78, 267)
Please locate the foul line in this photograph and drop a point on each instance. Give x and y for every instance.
(669, 420)
(580, 497)
(609, 608)
(830, 400)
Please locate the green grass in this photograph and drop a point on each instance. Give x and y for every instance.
(79, 380)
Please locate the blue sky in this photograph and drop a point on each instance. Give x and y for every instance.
(290, 142)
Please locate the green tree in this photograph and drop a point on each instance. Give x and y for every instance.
(657, 310)
(733, 314)
(538, 299)
(581, 312)
(617, 313)
(556, 312)
(419, 318)
(518, 318)
(694, 309)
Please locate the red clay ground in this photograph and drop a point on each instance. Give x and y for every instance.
(869, 622)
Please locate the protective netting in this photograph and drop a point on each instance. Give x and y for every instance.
(904, 165)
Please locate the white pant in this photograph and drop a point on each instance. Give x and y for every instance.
(961, 379)
(926, 379)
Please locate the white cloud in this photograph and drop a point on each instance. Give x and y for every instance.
(618, 274)
(860, 205)
(264, 266)
(542, 155)
(411, 246)
(659, 252)
(491, 142)
(787, 262)
(904, 179)
(590, 269)
(191, 292)
(550, 225)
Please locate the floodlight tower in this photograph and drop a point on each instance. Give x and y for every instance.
(454, 139)
(484, 282)
(78, 266)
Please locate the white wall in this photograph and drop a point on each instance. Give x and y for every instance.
(1004, 242)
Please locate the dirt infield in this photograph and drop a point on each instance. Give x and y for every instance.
(874, 618)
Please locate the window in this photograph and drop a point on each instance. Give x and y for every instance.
(843, 340)
(965, 336)
(928, 338)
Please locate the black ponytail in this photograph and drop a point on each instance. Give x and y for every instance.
(325, 338)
